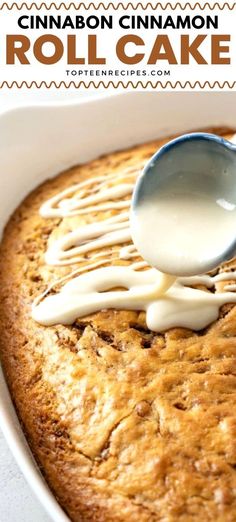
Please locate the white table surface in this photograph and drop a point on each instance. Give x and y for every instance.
(17, 502)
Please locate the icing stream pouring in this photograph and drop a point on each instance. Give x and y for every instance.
(183, 217)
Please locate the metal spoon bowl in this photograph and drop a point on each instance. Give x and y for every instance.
(202, 163)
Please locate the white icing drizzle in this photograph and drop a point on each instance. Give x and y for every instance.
(76, 200)
(91, 237)
(146, 290)
(167, 301)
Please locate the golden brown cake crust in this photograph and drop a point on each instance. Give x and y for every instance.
(126, 424)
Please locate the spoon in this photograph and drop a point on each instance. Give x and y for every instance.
(183, 209)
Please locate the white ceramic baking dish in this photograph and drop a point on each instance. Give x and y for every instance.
(39, 141)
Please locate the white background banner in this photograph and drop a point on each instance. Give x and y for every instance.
(121, 45)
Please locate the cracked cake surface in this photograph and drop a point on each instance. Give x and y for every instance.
(125, 423)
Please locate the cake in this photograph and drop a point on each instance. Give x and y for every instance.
(125, 423)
